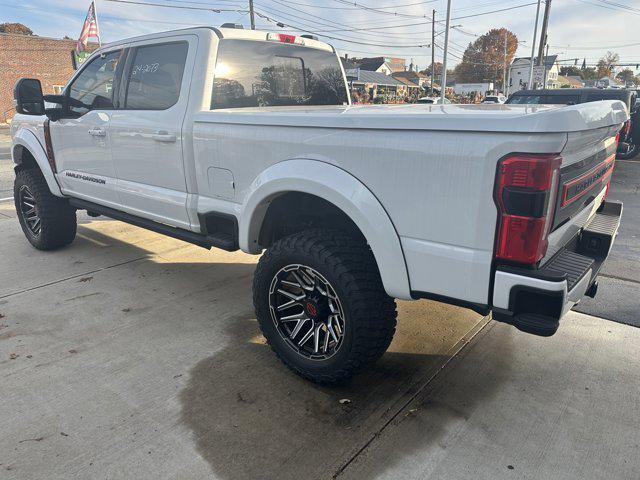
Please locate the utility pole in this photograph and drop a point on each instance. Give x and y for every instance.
(533, 47)
(543, 34)
(504, 66)
(443, 83)
(251, 15)
(433, 49)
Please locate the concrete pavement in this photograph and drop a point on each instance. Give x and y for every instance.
(131, 355)
(514, 406)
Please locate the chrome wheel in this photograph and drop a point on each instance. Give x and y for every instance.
(306, 312)
(29, 210)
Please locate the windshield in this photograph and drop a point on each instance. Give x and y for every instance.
(261, 74)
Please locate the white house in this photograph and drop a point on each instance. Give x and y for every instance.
(521, 68)
(466, 88)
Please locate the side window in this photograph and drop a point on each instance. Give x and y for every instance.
(92, 89)
(155, 76)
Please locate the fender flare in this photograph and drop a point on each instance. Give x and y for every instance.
(346, 192)
(27, 139)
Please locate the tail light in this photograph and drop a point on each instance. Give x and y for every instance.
(285, 38)
(526, 189)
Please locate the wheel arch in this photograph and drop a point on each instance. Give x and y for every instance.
(27, 152)
(344, 192)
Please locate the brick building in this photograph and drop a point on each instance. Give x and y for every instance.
(47, 59)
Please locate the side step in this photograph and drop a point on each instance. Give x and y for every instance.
(223, 241)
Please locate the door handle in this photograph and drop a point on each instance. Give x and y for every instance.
(97, 132)
(163, 137)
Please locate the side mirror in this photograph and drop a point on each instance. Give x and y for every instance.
(28, 97)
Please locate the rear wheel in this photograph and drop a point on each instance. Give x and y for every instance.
(47, 221)
(634, 149)
(321, 305)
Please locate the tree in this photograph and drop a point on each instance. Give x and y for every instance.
(627, 76)
(571, 71)
(16, 28)
(589, 73)
(484, 59)
(437, 67)
(605, 64)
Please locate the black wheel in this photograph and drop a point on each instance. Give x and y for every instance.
(321, 305)
(634, 149)
(47, 221)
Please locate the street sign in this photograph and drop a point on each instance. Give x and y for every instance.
(538, 74)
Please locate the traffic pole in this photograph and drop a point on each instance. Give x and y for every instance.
(543, 34)
(443, 85)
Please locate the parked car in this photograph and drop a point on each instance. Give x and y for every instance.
(243, 139)
(629, 145)
(433, 100)
(495, 99)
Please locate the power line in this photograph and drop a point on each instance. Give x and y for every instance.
(183, 7)
(277, 22)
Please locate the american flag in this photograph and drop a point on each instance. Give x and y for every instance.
(89, 29)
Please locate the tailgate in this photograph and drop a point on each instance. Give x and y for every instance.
(587, 165)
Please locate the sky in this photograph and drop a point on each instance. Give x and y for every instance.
(577, 28)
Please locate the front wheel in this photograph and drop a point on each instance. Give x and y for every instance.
(47, 221)
(321, 305)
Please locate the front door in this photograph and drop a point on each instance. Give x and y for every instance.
(146, 130)
(81, 143)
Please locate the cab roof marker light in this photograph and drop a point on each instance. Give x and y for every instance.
(285, 38)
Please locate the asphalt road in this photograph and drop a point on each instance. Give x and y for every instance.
(618, 295)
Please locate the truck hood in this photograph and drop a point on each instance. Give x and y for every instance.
(484, 118)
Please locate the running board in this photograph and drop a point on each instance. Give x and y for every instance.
(225, 242)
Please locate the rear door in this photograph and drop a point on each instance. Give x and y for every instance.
(146, 131)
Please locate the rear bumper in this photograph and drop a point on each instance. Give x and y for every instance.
(534, 301)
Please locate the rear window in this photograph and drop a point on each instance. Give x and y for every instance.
(262, 74)
(525, 99)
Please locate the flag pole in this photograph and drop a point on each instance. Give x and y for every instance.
(95, 14)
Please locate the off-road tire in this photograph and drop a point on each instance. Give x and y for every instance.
(349, 266)
(631, 154)
(57, 218)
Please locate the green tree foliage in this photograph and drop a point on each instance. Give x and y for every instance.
(627, 76)
(571, 71)
(484, 59)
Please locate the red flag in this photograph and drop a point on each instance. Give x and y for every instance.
(89, 29)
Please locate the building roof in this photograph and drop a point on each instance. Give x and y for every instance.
(372, 63)
(548, 61)
(573, 81)
(366, 76)
(406, 81)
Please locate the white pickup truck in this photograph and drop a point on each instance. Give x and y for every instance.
(247, 140)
